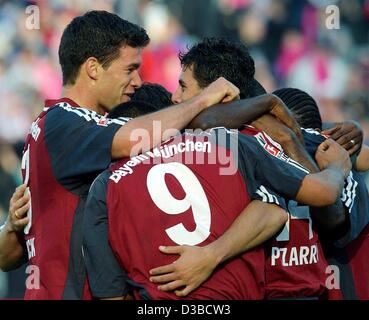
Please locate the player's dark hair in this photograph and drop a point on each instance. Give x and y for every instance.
(303, 106)
(132, 109)
(98, 34)
(213, 58)
(154, 94)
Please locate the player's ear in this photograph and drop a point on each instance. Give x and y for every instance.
(93, 68)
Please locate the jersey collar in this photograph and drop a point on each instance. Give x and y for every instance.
(51, 103)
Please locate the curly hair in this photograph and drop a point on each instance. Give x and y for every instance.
(132, 109)
(215, 57)
(303, 106)
(153, 93)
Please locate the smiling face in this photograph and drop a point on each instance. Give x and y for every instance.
(120, 79)
(188, 87)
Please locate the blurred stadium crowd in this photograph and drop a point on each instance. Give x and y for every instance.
(287, 38)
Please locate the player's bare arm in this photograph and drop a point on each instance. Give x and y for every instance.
(256, 223)
(176, 117)
(240, 112)
(11, 239)
(326, 218)
(324, 188)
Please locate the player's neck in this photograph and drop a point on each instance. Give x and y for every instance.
(82, 97)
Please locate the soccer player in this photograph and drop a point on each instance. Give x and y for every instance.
(71, 142)
(184, 203)
(211, 57)
(296, 266)
(303, 252)
(348, 250)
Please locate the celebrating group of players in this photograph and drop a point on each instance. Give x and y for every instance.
(258, 204)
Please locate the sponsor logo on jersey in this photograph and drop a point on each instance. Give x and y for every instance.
(35, 129)
(102, 122)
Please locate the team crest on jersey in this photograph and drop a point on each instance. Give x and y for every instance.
(102, 122)
(275, 149)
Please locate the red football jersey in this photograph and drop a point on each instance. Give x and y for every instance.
(358, 253)
(295, 264)
(174, 204)
(352, 261)
(64, 151)
(165, 197)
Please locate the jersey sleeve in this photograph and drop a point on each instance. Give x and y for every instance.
(263, 165)
(106, 278)
(312, 139)
(354, 195)
(260, 185)
(79, 144)
(267, 195)
(355, 199)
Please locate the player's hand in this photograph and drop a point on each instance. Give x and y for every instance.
(194, 266)
(348, 134)
(18, 208)
(283, 114)
(330, 153)
(221, 90)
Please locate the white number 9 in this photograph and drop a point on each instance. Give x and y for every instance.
(195, 199)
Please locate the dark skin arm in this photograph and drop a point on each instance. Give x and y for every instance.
(330, 219)
(327, 218)
(236, 114)
(287, 139)
(12, 253)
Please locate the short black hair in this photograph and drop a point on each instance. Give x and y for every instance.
(132, 109)
(153, 93)
(217, 57)
(98, 34)
(303, 106)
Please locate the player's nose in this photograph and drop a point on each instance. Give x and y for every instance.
(177, 97)
(136, 80)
